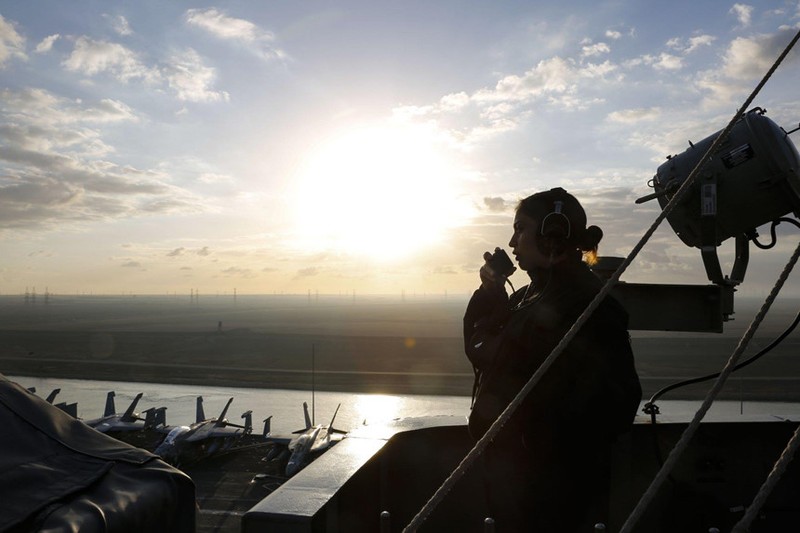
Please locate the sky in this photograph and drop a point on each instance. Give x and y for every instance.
(361, 147)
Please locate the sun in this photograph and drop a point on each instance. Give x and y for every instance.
(379, 191)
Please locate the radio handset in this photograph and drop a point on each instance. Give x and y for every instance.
(501, 264)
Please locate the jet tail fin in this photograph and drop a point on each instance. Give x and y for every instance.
(201, 415)
(154, 417)
(221, 420)
(308, 418)
(248, 421)
(130, 412)
(161, 416)
(110, 407)
(69, 408)
(267, 425)
(330, 426)
(52, 396)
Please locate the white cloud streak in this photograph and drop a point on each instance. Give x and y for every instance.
(190, 79)
(743, 13)
(91, 57)
(46, 44)
(228, 28)
(12, 44)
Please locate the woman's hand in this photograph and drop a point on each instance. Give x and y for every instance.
(491, 282)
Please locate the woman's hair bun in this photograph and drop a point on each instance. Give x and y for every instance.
(591, 238)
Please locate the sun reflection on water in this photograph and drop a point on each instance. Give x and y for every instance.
(377, 408)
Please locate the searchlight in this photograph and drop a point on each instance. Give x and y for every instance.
(753, 179)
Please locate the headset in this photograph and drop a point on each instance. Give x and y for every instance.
(555, 228)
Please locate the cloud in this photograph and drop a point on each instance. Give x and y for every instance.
(176, 252)
(613, 34)
(665, 61)
(12, 44)
(488, 112)
(631, 116)
(119, 23)
(183, 72)
(190, 79)
(307, 272)
(227, 28)
(495, 204)
(596, 49)
(131, 264)
(692, 44)
(91, 57)
(239, 272)
(54, 169)
(745, 61)
(204, 251)
(743, 13)
(211, 177)
(47, 44)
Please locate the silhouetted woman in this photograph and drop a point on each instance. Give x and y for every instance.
(547, 470)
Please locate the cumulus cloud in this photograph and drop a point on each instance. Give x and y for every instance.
(687, 46)
(12, 44)
(665, 61)
(91, 57)
(228, 28)
(47, 44)
(745, 60)
(495, 204)
(204, 251)
(54, 167)
(119, 24)
(595, 49)
(191, 79)
(183, 72)
(176, 252)
(489, 111)
(613, 34)
(743, 13)
(631, 116)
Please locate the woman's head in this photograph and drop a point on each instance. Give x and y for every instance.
(550, 226)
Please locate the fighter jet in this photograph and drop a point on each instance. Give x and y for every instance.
(69, 408)
(111, 421)
(308, 443)
(204, 438)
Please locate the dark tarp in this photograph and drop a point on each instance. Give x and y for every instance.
(58, 475)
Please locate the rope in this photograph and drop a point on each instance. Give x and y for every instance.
(690, 430)
(498, 424)
(743, 525)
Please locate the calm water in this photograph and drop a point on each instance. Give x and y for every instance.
(285, 406)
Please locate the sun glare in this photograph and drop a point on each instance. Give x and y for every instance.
(380, 192)
(376, 409)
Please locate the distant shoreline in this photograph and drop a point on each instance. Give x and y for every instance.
(334, 381)
(379, 345)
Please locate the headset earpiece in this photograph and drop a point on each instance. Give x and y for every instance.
(554, 230)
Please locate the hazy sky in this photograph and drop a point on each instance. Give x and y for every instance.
(376, 147)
